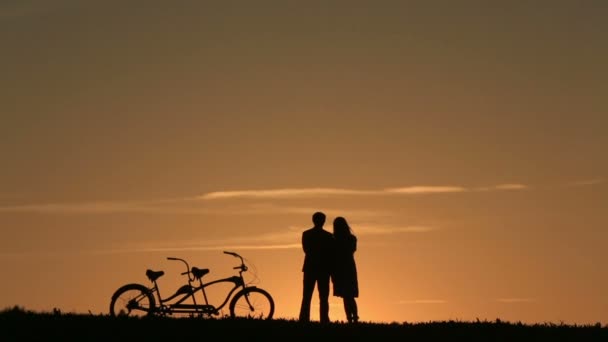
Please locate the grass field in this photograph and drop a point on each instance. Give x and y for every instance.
(17, 324)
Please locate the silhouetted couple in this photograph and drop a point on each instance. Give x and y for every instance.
(328, 257)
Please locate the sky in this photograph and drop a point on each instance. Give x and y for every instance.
(463, 141)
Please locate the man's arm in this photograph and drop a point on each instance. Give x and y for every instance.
(304, 242)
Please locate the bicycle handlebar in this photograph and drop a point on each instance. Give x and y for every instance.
(241, 267)
(187, 266)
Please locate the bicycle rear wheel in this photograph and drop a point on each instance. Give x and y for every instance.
(132, 300)
(252, 302)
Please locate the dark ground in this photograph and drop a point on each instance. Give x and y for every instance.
(17, 324)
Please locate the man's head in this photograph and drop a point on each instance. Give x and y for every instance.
(318, 219)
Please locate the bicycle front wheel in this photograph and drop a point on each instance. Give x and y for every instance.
(132, 300)
(252, 302)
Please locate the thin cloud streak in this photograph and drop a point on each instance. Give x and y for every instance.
(587, 182)
(316, 192)
(510, 187)
(389, 230)
(172, 205)
(285, 193)
(93, 207)
(499, 187)
(422, 301)
(151, 207)
(288, 238)
(269, 208)
(426, 190)
(198, 248)
(284, 239)
(515, 300)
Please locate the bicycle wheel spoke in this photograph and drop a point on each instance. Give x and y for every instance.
(132, 300)
(253, 304)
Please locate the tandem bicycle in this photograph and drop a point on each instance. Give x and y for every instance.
(243, 300)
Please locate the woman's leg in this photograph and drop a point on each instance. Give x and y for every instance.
(354, 310)
(347, 309)
(350, 308)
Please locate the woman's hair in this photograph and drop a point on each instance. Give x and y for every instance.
(341, 228)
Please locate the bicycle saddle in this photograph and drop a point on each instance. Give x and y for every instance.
(153, 275)
(199, 272)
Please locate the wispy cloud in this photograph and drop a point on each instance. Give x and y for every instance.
(321, 192)
(288, 238)
(586, 182)
(508, 186)
(425, 190)
(274, 209)
(205, 248)
(285, 193)
(422, 301)
(87, 207)
(184, 206)
(188, 205)
(379, 229)
(162, 206)
(282, 239)
(515, 300)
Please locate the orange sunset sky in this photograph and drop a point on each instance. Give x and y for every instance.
(465, 142)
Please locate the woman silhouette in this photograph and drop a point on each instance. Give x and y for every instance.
(344, 275)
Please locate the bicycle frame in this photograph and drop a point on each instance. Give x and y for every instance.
(243, 300)
(189, 291)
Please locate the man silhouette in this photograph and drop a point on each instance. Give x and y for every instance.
(318, 253)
